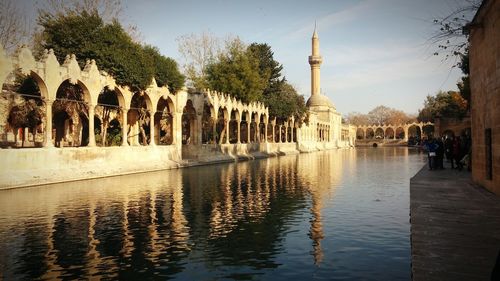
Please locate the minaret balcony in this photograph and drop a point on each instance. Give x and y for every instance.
(315, 60)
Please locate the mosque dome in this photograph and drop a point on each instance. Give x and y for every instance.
(319, 100)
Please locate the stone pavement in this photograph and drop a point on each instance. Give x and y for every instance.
(455, 227)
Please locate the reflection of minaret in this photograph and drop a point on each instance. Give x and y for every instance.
(315, 61)
(316, 231)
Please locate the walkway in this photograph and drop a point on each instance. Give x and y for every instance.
(455, 227)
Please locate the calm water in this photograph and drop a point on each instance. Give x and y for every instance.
(337, 215)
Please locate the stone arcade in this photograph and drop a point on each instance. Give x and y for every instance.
(180, 129)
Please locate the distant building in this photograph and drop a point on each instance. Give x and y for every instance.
(484, 55)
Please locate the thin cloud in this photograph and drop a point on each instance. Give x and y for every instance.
(334, 18)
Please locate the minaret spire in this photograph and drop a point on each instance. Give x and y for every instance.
(315, 61)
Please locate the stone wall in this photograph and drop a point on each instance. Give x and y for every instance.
(457, 126)
(485, 94)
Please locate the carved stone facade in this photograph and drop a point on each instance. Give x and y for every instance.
(156, 129)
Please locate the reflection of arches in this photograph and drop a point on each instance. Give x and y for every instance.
(71, 99)
(400, 133)
(389, 133)
(164, 122)
(379, 133)
(370, 134)
(188, 123)
(360, 134)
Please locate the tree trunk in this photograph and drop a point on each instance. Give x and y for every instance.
(223, 133)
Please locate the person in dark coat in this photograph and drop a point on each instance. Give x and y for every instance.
(439, 153)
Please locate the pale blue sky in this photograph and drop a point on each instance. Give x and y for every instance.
(374, 51)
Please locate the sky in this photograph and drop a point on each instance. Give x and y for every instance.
(375, 52)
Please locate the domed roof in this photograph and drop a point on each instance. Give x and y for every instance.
(319, 100)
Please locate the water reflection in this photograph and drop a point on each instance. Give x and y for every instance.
(220, 221)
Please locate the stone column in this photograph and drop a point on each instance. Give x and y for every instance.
(124, 127)
(265, 132)
(91, 126)
(274, 132)
(248, 133)
(152, 128)
(279, 133)
(239, 132)
(48, 124)
(227, 130)
(257, 132)
(199, 128)
(214, 133)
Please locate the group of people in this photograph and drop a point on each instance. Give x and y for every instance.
(456, 150)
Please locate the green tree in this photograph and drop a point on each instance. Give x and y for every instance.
(236, 72)
(286, 103)
(89, 37)
(166, 71)
(281, 98)
(444, 104)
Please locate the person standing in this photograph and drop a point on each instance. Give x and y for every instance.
(439, 153)
(430, 146)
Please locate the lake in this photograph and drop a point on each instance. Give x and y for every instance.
(334, 215)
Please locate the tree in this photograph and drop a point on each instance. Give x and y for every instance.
(236, 72)
(380, 115)
(268, 67)
(449, 36)
(357, 118)
(13, 30)
(166, 71)
(198, 51)
(111, 47)
(444, 104)
(286, 103)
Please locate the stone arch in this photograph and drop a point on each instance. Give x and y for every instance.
(253, 126)
(109, 106)
(164, 121)
(208, 123)
(221, 127)
(262, 127)
(245, 126)
(389, 133)
(26, 114)
(360, 134)
(379, 133)
(400, 133)
(188, 123)
(234, 126)
(414, 134)
(72, 128)
(139, 119)
(370, 133)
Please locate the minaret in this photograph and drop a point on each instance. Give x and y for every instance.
(315, 61)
